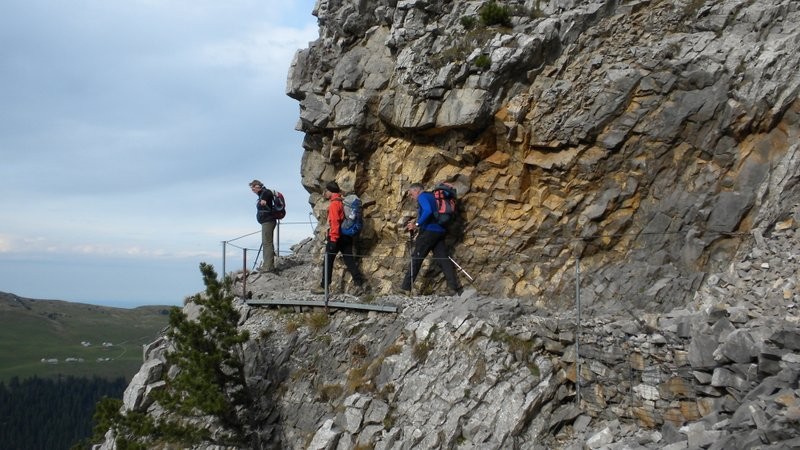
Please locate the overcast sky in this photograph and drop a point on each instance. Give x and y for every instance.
(129, 131)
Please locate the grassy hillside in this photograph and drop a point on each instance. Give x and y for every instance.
(32, 330)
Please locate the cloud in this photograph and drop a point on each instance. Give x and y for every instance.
(129, 131)
(266, 52)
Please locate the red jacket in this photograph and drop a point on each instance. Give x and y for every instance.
(335, 216)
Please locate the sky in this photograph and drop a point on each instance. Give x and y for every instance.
(129, 131)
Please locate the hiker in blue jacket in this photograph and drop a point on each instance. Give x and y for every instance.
(430, 237)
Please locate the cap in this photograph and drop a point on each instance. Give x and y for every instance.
(332, 186)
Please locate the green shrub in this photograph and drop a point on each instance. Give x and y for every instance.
(393, 349)
(330, 392)
(265, 334)
(468, 22)
(358, 351)
(357, 379)
(388, 422)
(460, 46)
(317, 321)
(495, 14)
(292, 325)
(534, 369)
(483, 62)
(421, 351)
(534, 13)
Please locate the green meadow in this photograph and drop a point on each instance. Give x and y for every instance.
(74, 338)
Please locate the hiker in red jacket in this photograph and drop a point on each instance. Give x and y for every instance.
(337, 242)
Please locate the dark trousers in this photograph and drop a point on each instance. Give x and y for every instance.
(344, 246)
(427, 241)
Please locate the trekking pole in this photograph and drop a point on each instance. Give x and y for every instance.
(325, 276)
(411, 268)
(461, 269)
(257, 255)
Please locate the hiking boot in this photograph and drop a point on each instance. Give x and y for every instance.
(318, 290)
(357, 290)
(454, 292)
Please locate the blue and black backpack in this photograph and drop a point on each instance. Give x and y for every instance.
(353, 217)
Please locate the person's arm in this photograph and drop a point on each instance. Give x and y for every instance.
(425, 210)
(335, 218)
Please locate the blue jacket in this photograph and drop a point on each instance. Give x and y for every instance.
(426, 220)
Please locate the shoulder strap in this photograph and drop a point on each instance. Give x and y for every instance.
(263, 192)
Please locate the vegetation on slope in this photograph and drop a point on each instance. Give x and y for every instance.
(35, 330)
(44, 413)
(209, 384)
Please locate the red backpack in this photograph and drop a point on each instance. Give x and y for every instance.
(446, 196)
(278, 205)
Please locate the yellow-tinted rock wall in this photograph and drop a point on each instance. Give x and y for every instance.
(639, 144)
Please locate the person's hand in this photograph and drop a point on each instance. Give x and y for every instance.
(330, 246)
(411, 226)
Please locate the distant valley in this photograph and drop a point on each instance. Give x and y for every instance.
(51, 338)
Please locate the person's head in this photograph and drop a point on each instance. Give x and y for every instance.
(331, 187)
(415, 189)
(256, 186)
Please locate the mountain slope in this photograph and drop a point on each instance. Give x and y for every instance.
(32, 330)
(637, 158)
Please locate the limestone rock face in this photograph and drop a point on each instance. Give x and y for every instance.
(718, 372)
(646, 141)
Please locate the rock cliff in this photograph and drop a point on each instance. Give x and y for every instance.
(474, 372)
(644, 140)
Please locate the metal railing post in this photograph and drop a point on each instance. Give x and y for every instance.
(325, 276)
(244, 273)
(224, 250)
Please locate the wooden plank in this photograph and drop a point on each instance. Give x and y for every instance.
(321, 304)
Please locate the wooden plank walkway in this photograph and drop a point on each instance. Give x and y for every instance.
(321, 304)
